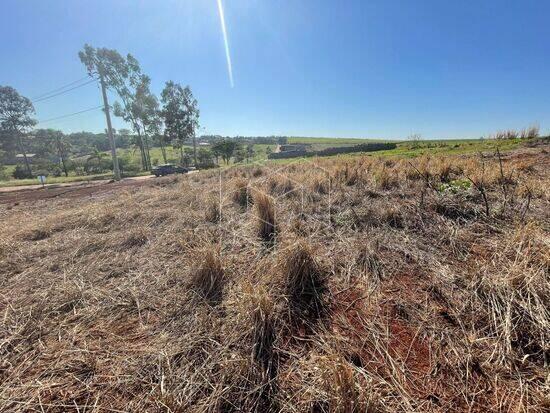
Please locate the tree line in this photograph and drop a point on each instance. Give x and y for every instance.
(174, 119)
(169, 120)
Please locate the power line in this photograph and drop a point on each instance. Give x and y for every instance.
(60, 88)
(64, 91)
(70, 114)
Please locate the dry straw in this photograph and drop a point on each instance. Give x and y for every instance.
(404, 296)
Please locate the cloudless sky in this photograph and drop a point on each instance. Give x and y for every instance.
(349, 68)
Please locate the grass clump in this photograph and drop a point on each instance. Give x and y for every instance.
(393, 216)
(261, 313)
(385, 179)
(37, 234)
(265, 212)
(305, 284)
(321, 185)
(134, 239)
(369, 262)
(530, 133)
(517, 299)
(208, 281)
(343, 389)
(213, 211)
(241, 194)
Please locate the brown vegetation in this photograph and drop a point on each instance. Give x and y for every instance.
(305, 283)
(241, 194)
(208, 280)
(265, 210)
(405, 285)
(213, 210)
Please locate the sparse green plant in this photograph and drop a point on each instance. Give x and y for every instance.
(455, 186)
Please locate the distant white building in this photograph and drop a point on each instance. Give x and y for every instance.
(21, 158)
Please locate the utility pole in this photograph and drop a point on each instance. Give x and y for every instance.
(22, 149)
(195, 149)
(116, 170)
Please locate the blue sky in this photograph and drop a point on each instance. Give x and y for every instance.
(352, 68)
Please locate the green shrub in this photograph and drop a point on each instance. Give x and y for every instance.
(20, 172)
(129, 165)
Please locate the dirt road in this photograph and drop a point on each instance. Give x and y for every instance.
(29, 193)
(65, 184)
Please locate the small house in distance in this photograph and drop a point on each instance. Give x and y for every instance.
(20, 158)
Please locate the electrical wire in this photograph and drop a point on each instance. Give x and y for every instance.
(60, 88)
(70, 114)
(62, 92)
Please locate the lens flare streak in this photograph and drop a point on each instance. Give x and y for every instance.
(226, 42)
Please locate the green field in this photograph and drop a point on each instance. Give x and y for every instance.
(439, 147)
(450, 147)
(409, 149)
(334, 141)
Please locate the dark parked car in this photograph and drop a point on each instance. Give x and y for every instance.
(168, 169)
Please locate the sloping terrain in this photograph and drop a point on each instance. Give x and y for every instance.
(333, 285)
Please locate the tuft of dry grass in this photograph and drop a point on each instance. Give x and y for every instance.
(305, 284)
(393, 217)
(530, 133)
(517, 300)
(213, 210)
(389, 305)
(340, 382)
(280, 185)
(445, 170)
(209, 279)
(369, 262)
(134, 239)
(321, 185)
(264, 334)
(385, 178)
(241, 194)
(260, 311)
(265, 213)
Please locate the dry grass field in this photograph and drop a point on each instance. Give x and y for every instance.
(339, 285)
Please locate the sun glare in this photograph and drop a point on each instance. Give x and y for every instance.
(226, 42)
